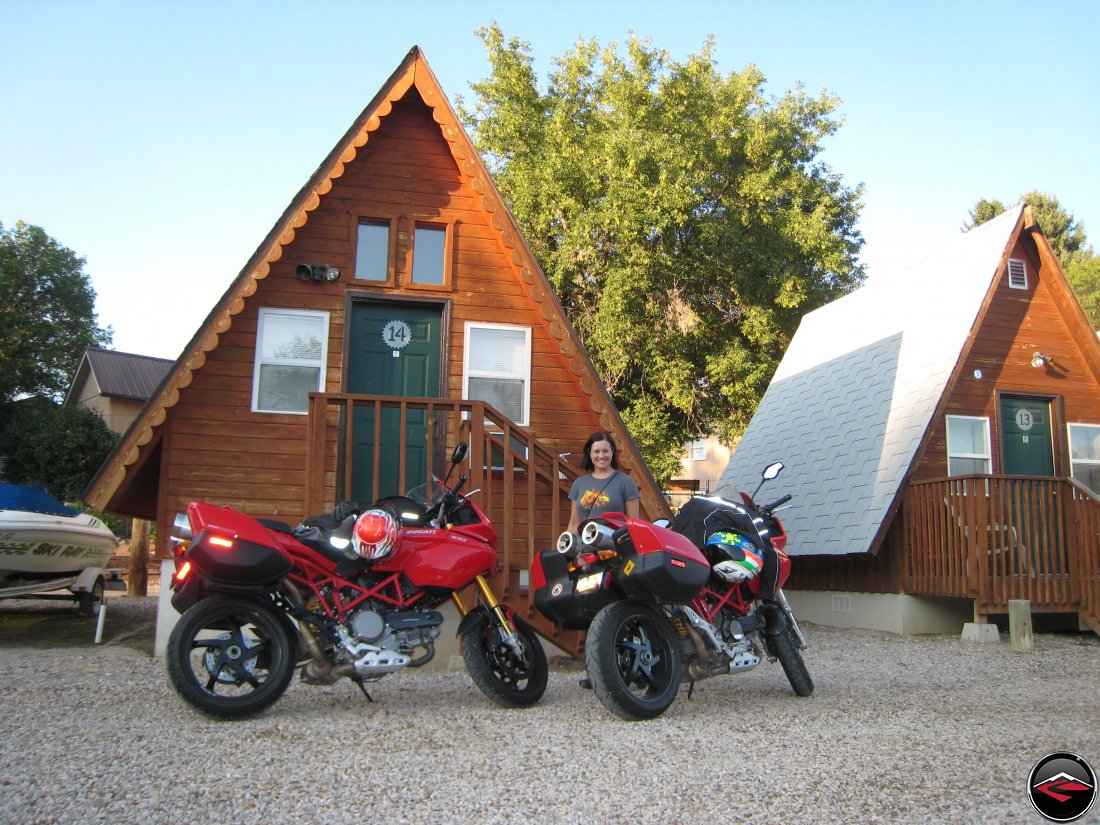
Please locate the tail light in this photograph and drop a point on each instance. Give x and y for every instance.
(183, 572)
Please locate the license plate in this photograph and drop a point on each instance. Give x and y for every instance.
(591, 582)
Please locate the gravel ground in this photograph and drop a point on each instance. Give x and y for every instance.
(918, 729)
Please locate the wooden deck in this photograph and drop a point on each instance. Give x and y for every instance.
(995, 538)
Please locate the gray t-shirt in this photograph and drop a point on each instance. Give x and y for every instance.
(596, 496)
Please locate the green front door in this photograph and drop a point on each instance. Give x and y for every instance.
(393, 349)
(1026, 445)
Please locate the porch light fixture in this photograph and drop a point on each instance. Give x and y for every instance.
(1038, 360)
(317, 272)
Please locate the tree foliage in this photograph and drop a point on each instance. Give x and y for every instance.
(682, 216)
(60, 447)
(1066, 236)
(47, 314)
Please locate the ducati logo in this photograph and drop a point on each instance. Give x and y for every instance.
(1062, 786)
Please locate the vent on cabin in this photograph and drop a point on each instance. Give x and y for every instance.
(1017, 274)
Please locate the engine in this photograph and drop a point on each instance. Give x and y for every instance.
(392, 632)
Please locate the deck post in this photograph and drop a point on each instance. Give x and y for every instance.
(1019, 624)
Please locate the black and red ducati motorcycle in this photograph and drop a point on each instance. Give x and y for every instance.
(664, 603)
(354, 594)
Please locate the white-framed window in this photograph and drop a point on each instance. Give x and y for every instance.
(1084, 454)
(496, 368)
(291, 353)
(698, 449)
(968, 449)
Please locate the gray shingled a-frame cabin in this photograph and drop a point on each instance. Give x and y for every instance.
(941, 435)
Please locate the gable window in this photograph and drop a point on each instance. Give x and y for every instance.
(431, 255)
(968, 450)
(291, 350)
(496, 368)
(699, 449)
(1084, 454)
(374, 251)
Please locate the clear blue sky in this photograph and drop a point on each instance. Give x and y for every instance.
(161, 141)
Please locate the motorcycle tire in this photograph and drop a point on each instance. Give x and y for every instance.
(230, 657)
(633, 660)
(783, 647)
(508, 680)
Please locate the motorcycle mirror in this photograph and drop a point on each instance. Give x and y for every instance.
(772, 471)
(460, 452)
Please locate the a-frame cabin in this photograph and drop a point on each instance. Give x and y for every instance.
(393, 310)
(941, 435)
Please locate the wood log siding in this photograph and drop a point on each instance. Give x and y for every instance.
(995, 538)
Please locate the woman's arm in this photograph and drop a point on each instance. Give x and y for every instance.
(575, 518)
(633, 508)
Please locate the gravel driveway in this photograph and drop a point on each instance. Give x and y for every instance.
(917, 729)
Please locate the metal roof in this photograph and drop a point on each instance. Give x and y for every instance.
(124, 374)
(856, 390)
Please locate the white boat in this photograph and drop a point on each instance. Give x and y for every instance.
(45, 546)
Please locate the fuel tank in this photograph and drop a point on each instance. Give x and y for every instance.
(436, 557)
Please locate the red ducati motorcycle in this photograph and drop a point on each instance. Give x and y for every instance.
(669, 603)
(348, 595)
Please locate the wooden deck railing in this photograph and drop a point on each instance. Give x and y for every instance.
(522, 485)
(996, 538)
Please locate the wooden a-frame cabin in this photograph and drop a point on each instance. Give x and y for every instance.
(941, 435)
(394, 310)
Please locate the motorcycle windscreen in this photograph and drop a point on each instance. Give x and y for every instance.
(703, 516)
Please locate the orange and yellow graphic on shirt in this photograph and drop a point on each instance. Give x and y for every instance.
(594, 499)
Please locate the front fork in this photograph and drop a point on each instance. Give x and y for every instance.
(782, 599)
(508, 632)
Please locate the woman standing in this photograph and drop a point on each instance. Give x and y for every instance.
(604, 489)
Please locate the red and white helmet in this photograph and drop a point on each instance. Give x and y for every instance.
(374, 535)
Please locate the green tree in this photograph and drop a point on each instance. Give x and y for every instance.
(47, 314)
(1066, 236)
(682, 216)
(60, 447)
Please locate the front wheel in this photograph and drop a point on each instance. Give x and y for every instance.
(633, 660)
(782, 646)
(230, 657)
(510, 678)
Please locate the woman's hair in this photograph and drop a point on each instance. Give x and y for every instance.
(587, 464)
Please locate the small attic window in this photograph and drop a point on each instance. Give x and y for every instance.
(1017, 274)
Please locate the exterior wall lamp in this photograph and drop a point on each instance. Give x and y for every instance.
(1038, 360)
(317, 272)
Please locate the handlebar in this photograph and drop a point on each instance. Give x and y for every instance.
(779, 502)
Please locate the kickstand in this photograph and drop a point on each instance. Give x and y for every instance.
(363, 688)
(691, 689)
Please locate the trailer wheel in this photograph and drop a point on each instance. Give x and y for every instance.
(91, 602)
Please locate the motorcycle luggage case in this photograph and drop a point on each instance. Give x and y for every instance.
(558, 600)
(245, 565)
(659, 565)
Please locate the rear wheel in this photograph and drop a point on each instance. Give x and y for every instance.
(783, 647)
(230, 657)
(509, 678)
(633, 660)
